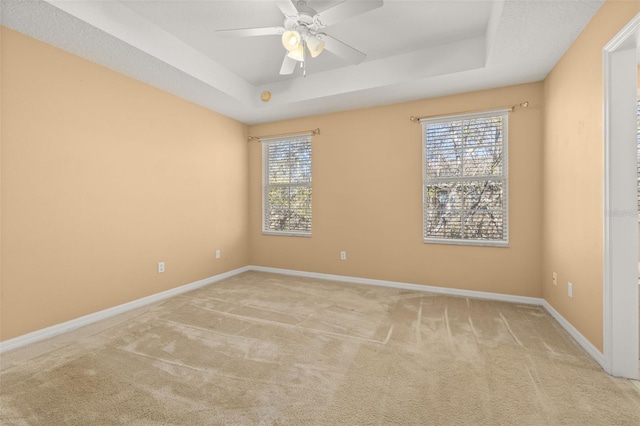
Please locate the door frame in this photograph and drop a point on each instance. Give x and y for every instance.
(620, 281)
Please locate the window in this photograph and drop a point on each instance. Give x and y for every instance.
(286, 185)
(465, 179)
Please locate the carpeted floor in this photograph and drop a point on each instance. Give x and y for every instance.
(275, 350)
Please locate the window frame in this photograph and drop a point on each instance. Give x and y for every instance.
(266, 185)
(504, 177)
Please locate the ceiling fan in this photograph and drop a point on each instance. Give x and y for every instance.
(302, 31)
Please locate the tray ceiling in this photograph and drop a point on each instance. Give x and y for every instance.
(415, 49)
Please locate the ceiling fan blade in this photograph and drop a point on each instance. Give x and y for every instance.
(343, 50)
(288, 65)
(347, 9)
(287, 7)
(250, 32)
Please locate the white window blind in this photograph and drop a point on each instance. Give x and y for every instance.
(465, 191)
(638, 145)
(287, 185)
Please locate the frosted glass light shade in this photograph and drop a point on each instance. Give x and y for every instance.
(315, 46)
(297, 54)
(291, 40)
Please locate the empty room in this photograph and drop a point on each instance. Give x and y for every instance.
(336, 212)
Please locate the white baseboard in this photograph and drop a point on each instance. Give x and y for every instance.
(64, 327)
(577, 336)
(573, 332)
(405, 286)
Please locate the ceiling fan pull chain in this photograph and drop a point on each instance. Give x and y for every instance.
(304, 54)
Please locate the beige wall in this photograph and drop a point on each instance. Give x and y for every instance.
(573, 173)
(103, 177)
(367, 199)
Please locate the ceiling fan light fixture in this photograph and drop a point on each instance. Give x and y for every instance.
(297, 54)
(291, 40)
(315, 46)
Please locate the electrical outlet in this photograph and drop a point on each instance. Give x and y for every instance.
(555, 279)
(570, 290)
(343, 255)
(160, 267)
(218, 254)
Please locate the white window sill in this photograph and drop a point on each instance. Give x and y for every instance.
(504, 244)
(287, 234)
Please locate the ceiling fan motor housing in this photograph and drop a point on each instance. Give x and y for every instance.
(306, 21)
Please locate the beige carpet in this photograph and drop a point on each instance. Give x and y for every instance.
(275, 350)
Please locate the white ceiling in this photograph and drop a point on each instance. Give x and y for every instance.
(415, 49)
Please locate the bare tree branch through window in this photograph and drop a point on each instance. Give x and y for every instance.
(465, 179)
(287, 185)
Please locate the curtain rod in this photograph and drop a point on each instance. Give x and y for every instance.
(415, 119)
(313, 132)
